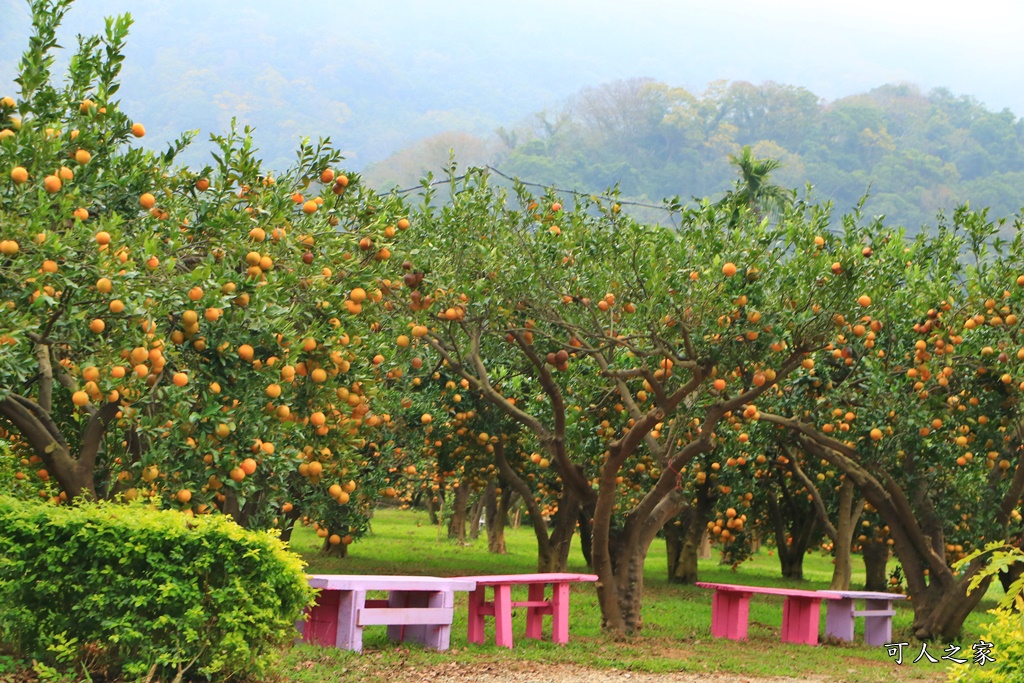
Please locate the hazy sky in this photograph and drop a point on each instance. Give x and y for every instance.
(475, 65)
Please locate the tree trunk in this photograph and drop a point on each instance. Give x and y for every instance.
(290, 518)
(330, 550)
(496, 509)
(842, 540)
(1010, 574)
(457, 522)
(704, 551)
(876, 555)
(586, 534)
(561, 535)
(475, 513)
(685, 534)
(433, 501)
(791, 545)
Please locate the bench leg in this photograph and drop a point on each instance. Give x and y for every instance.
(438, 636)
(503, 615)
(534, 616)
(321, 625)
(800, 619)
(560, 613)
(877, 630)
(839, 619)
(476, 619)
(350, 633)
(729, 615)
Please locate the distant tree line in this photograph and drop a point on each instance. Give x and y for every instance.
(915, 153)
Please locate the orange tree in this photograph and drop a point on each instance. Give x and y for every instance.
(918, 404)
(200, 338)
(685, 327)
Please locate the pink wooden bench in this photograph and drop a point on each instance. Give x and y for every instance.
(418, 609)
(536, 605)
(878, 611)
(801, 611)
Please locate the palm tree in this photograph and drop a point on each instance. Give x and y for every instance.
(753, 190)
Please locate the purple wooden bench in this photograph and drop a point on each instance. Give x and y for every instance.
(801, 611)
(878, 611)
(418, 609)
(536, 605)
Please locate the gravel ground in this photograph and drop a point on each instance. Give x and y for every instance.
(532, 672)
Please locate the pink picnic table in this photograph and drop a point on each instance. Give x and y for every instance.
(840, 612)
(536, 605)
(418, 609)
(801, 611)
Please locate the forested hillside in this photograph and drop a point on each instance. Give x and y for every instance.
(917, 152)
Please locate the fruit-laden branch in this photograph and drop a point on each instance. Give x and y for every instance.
(42, 434)
(819, 503)
(92, 438)
(540, 527)
(888, 500)
(1013, 494)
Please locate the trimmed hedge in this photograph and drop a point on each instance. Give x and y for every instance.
(131, 592)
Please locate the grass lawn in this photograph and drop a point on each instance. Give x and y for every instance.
(676, 634)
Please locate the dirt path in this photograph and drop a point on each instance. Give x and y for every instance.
(534, 672)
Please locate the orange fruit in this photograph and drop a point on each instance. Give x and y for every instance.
(358, 295)
(729, 269)
(237, 474)
(104, 285)
(202, 184)
(426, 418)
(80, 398)
(82, 157)
(273, 390)
(49, 266)
(183, 496)
(310, 207)
(180, 379)
(402, 341)
(326, 176)
(141, 370)
(317, 419)
(138, 130)
(152, 263)
(81, 214)
(720, 384)
(97, 326)
(52, 184)
(246, 352)
(147, 200)
(864, 300)
(65, 173)
(876, 434)
(403, 223)
(103, 237)
(212, 314)
(19, 175)
(248, 465)
(195, 294)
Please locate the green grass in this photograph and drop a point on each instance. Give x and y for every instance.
(676, 634)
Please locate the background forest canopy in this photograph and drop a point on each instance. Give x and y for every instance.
(919, 153)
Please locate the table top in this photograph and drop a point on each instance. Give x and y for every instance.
(767, 590)
(389, 583)
(868, 595)
(514, 579)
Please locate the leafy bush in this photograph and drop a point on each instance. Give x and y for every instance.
(1006, 631)
(130, 591)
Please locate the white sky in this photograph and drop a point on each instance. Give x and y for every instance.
(535, 53)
